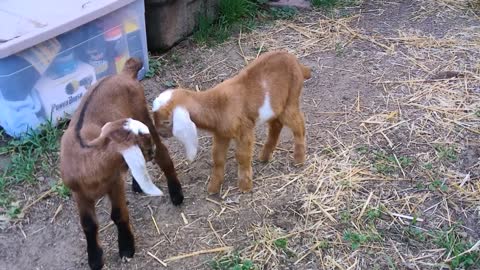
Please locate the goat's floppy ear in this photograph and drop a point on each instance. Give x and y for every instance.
(185, 131)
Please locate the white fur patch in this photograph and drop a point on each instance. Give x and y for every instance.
(136, 127)
(136, 162)
(162, 99)
(185, 131)
(265, 112)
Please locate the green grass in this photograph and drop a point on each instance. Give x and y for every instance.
(34, 154)
(446, 153)
(357, 239)
(154, 66)
(387, 164)
(373, 214)
(282, 13)
(234, 15)
(232, 262)
(455, 244)
(61, 190)
(438, 185)
(329, 4)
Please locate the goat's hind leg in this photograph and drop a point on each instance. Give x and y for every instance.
(244, 153)
(274, 129)
(88, 219)
(119, 215)
(295, 121)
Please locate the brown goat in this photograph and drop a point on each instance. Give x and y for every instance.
(267, 90)
(100, 144)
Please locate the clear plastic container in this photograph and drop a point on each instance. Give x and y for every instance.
(46, 69)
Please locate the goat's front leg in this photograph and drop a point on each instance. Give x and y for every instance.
(119, 215)
(163, 159)
(244, 152)
(88, 219)
(219, 153)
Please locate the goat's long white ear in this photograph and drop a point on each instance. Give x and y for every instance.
(136, 162)
(185, 131)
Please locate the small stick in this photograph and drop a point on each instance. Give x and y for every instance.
(405, 216)
(45, 194)
(59, 208)
(260, 50)
(153, 219)
(200, 252)
(105, 227)
(216, 234)
(184, 218)
(365, 205)
(240, 46)
(157, 259)
(400, 166)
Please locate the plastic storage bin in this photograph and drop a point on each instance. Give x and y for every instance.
(51, 51)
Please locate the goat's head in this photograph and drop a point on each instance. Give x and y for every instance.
(173, 119)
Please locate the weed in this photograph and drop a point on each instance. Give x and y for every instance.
(14, 210)
(175, 58)
(232, 262)
(428, 166)
(232, 11)
(324, 3)
(387, 164)
(373, 214)
(362, 150)
(323, 245)
(357, 239)
(447, 153)
(477, 113)
(339, 49)
(170, 84)
(282, 13)
(345, 217)
(438, 185)
(154, 65)
(455, 245)
(280, 243)
(36, 152)
(209, 32)
(61, 190)
(329, 4)
(415, 233)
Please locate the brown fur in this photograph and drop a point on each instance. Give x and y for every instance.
(91, 164)
(230, 110)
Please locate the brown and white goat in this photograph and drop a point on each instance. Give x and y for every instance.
(267, 90)
(100, 144)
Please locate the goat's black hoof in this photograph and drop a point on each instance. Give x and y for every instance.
(126, 246)
(95, 260)
(136, 187)
(176, 197)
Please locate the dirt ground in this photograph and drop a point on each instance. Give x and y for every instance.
(393, 122)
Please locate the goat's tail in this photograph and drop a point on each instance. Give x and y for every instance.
(306, 71)
(125, 134)
(132, 66)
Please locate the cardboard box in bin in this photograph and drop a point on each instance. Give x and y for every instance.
(56, 49)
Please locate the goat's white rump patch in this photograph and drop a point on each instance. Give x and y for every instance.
(136, 127)
(162, 99)
(265, 112)
(185, 131)
(136, 162)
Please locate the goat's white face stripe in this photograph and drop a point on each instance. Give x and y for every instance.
(162, 99)
(136, 162)
(136, 127)
(265, 112)
(185, 131)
